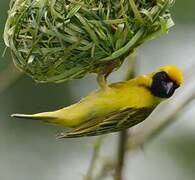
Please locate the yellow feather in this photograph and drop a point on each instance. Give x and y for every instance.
(134, 94)
(174, 72)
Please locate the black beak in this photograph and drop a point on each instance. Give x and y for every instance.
(170, 89)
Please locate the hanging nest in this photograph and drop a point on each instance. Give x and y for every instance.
(59, 40)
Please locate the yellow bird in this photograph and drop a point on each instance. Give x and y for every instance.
(115, 107)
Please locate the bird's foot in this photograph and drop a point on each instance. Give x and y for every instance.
(102, 82)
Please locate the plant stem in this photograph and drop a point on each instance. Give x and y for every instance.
(121, 155)
(95, 156)
(123, 135)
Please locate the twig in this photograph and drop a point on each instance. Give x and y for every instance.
(121, 155)
(8, 76)
(106, 170)
(95, 156)
(123, 135)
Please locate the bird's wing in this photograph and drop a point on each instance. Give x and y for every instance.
(113, 122)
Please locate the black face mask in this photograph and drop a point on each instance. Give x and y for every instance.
(162, 85)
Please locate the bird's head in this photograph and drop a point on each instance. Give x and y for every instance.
(165, 81)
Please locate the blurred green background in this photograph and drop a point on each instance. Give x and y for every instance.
(29, 150)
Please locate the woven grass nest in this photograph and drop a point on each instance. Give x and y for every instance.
(59, 40)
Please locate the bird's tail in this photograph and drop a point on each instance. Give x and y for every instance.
(58, 117)
(45, 116)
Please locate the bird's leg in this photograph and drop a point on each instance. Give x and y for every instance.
(102, 81)
(102, 76)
